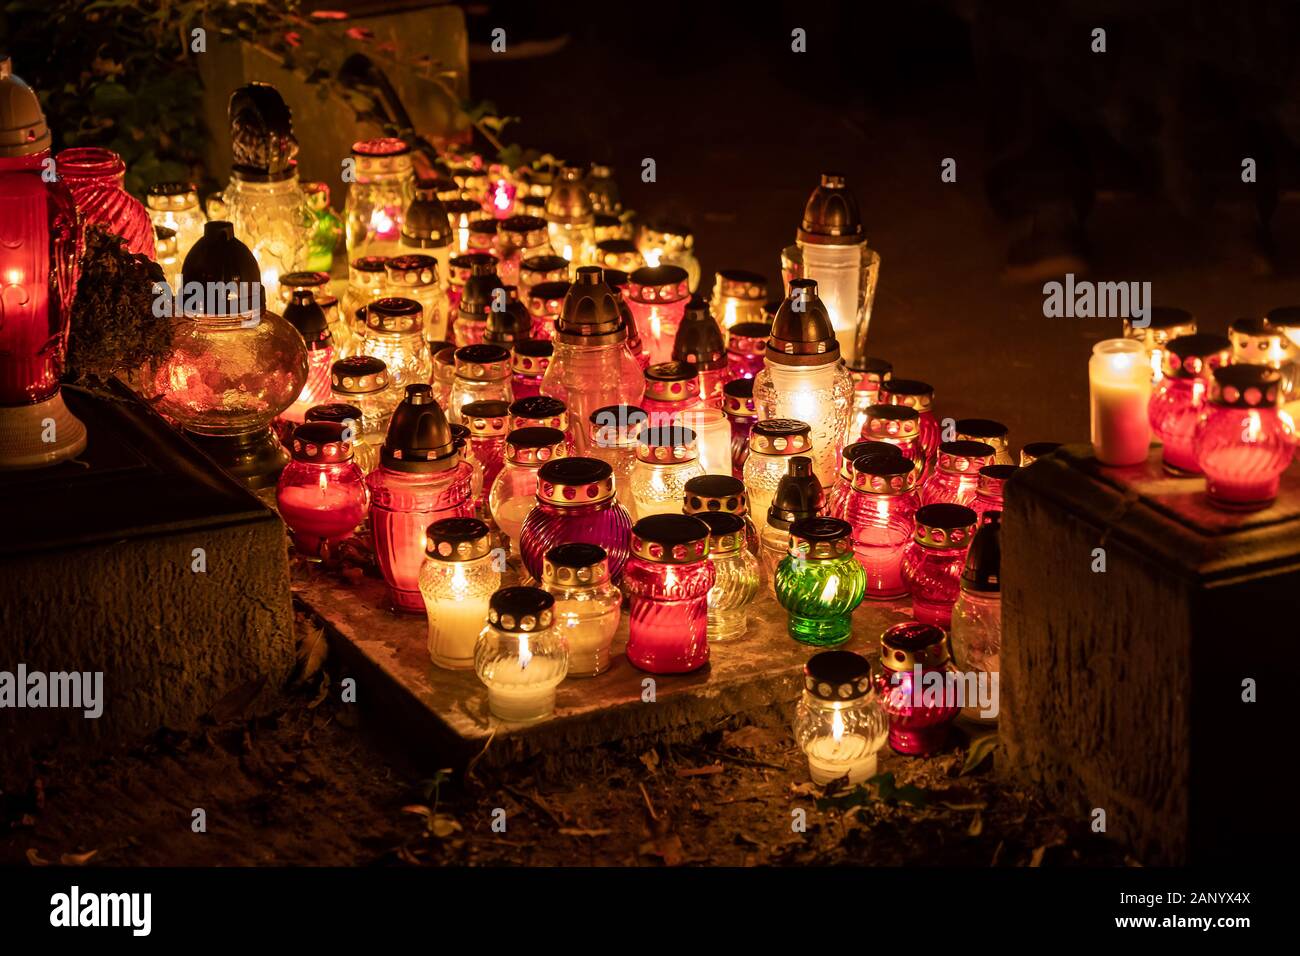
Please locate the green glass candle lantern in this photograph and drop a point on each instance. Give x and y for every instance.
(820, 582)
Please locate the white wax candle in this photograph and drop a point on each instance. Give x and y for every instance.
(713, 438)
(829, 759)
(454, 626)
(1119, 379)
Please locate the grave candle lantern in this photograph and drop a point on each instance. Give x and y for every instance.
(95, 177)
(910, 393)
(989, 493)
(461, 215)
(365, 455)
(839, 723)
(738, 298)
(384, 187)
(587, 605)
(457, 578)
(837, 501)
(507, 325)
(569, 217)
(426, 231)
(666, 459)
(309, 319)
(367, 280)
(882, 512)
(721, 494)
(669, 244)
(803, 378)
(670, 389)
(868, 375)
(771, 445)
(746, 345)
(668, 578)
(544, 412)
(910, 653)
(488, 422)
(485, 238)
(545, 302)
(395, 334)
(420, 479)
(513, 493)
(820, 581)
(482, 374)
(739, 408)
(321, 494)
(521, 656)
(956, 476)
(534, 270)
(1241, 443)
(612, 433)
(977, 617)
(1119, 379)
(699, 343)
(363, 381)
(481, 292)
(657, 296)
(637, 345)
(736, 576)
(899, 426)
(318, 284)
(603, 190)
(712, 438)
(933, 562)
(1035, 450)
(575, 502)
(798, 495)
(175, 206)
(528, 361)
(990, 433)
(1163, 325)
(416, 277)
(620, 254)
(1179, 399)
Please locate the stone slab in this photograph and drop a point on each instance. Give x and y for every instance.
(435, 712)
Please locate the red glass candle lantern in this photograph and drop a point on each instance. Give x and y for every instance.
(933, 562)
(309, 319)
(421, 478)
(956, 475)
(657, 296)
(882, 512)
(638, 346)
(868, 375)
(40, 248)
(739, 407)
(699, 343)
(910, 393)
(321, 494)
(1176, 404)
(899, 426)
(837, 501)
(990, 433)
(528, 363)
(534, 270)
(575, 503)
(668, 578)
(95, 177)
(670, 389)
(620, 254)
(988, 495)
(488, 423)
(364, 454)
(914, 688)
(721, 494)
(746, 345)
(1242, 444)
(545, 300)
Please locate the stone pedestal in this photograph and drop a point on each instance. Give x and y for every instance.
(1123, 688)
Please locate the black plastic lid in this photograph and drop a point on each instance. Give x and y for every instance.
(419, 438)
(798, 494)
(739, 388)
(1168, 317)
(945, 515)
(576, 554)
(715, 486)
(721, 522)
(487, 408)
(699, 338)
(575, 471)
(670, 529)
(590, 313)
(425, 224)
(883, 466)
(534, 348)
(802, 333)
(908, 386)
(866, 363)
(535, 436)
(538, 407)
(521, 610)
(985, 556)
(1039, 449)
(866, 448)
(218, 257)
(781, 427)
(750, 330)
(837, 675)
(308, 318)
(340, 412)
(616, 278)
(981, 428)
(262, 144)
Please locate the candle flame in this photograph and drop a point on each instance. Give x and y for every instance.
(837, 726)
(1251, 432)
(381, 223)
(14, 277)
(525, 655)
(501, 197)
(321, 482)
(653, 256)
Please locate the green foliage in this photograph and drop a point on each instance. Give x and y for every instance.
(887, 791)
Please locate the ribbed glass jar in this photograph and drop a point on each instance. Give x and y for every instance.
(383, 188)
(521, 656)
(1242, 444)
(918, 724)
(668, 579)
(933, 562)
(820, 582)
(395, 335)
(575, 503)
(736, 577)
(772, 443)
(882, 512)
(839, 723)
(612, 433)
(482, 375)
(587, 604)
(1179, 398)
(956, 476)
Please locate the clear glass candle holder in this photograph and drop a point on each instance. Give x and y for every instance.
(485, 449)
(772, 443)
(839, 723)
(175, 206)
(520, 238)
(612, 437)
(666, 459)
(977, 617)
(738, 298)
(670, 244)
(587, 604)
(417, 277)
(570, 220)
(395, 335)
(514, 492)
(820, 582)
(457, 578)
(521, 656)
(738, 405)
(721, 494)
(736, 577)
(363, 382)
(482, 375)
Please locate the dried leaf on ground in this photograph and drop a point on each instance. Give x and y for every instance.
(980, 750)
(753, 737)
(76, 859)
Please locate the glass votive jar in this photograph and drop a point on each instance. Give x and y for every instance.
(534, 270)
(621, 254)
(657, 296)
(482, 374)
(395, 335)
(362, 381)
(444, 370)
(175, 206)
(481, 293)
(514, 492)
(308, 318)
(367, 281)
(914, 656)
(461, 215)
(1179, 398)
(899, 426)
(1035, 450)
(837, 499)
(321, 494)
(882, 512)
(488, 422)
(670, 244)
(1242, 444)
(741, 412)
(545, 302)
(376, 205)
(738, 297)
(721, 494)
(977, 619)
(772, 443)
(637, 345)
(670, 389)
(520, 238)
(458, 577)
(868, 375)
(933, 562)
(668, 579)
(989, 493)
(603, 190)
(521, 656)
(612, 433)
(746, 345)
(839, 723)
(736, 576)
(1163, 324)
(542, 411)
(798, 495)
(820, 582)
(350, 417)
(956, 474)
(569, 217)
(990, 433)
(587, 604)
(910, 393)
(318, 284)
(416, 277)
(484, 236)
(528, 361)
(1119, 380)
(666, 458)
(712, 438)
(575, 502)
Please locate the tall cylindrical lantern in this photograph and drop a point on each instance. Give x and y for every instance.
(1119, 380)
(668, 579)
(384, 187)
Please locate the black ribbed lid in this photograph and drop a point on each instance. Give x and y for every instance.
(837, 675)
(802, 333)
(985, 556)
(419, 438)
(945, 515)
(340, 412)
(534, 348)
(537, 407)
(883, 466)
(574, 471)
(521, 609)
(535, 436)
(798, 494)
(739, 388)
(309, 319)
(487, 408)
(908, 386)
(780, 427)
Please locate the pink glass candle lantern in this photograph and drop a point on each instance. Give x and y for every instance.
(502, 195)
(738, 297)
(488, 423)
(739, 407)
(933, 562)
(1179, 399)
(1242, 444)
(376, 205)
(40, 248)
(721, 494)
(668, 578)
(899, 426)
(485, 238)
(528, 362)
(482, 374)
(591, 367)
(989, 432)
(421, 478)
(545, 301)
(989, 494)
(638, 346)
(746, 345)
(513, 493)
(534, 270)
(699, 343)
(309, 319)
(868, 375)
(956, 475)
(837, 500)
(365, 455)
(95, 177)
(612, 432)
(670, 244)
(1163, 325)
(1119, 386)
(671, 388)
(910, 393)
(459, 271)
(657, 296)
(321, 494)
(915, 655)
(575, 503)
(882, 512)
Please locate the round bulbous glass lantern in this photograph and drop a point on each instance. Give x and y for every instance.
(839, 723)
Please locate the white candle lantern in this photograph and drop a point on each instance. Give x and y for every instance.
(520, 655)
(839, 723)
(457, 578)
(1119, 384)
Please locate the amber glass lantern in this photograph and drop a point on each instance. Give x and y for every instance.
(771, 445)
(376, 205)
(989, 432)
(570, 219)
(738, 297)
(175, 206)
(657, 296)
